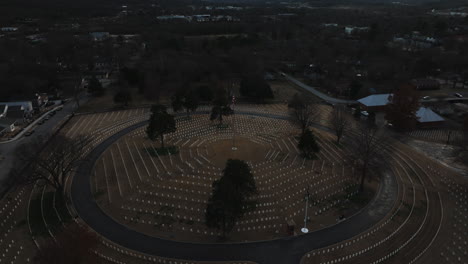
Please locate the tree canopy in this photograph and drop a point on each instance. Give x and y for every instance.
(339, 122)
(255, 87)
(73, 245)
(303, 111)
(366, 146)
(220, 105)
(402, 107)
(160, 123)
(123, 97)
(185, 98)
(233, 195)
(51, 163)
(308, 145)
(95, 87)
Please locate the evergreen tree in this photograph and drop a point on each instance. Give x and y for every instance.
(308, 145)
(185, 99)
(123, 97)
(160, 123)
(232, 196)
(95, 87)
(402, 107)
(220, 106)
(256, 88)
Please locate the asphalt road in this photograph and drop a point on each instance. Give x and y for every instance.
(45, 130)
(333, 100)
(317, 93)
(281, 251)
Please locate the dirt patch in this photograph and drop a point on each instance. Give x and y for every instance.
(247, 150)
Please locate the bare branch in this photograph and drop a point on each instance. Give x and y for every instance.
(304, 111)
(339, 122)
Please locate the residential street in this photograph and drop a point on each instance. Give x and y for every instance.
(7, 149)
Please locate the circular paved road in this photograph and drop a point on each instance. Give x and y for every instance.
(282, 251)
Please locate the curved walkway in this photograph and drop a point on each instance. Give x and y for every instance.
(282, 251)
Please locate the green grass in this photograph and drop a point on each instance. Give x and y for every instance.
(170, 150)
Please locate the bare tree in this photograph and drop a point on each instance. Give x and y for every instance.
(339, 122)
(402, 108)
(74, 245)
(51, 163)
(366, 145)
(304, 111)
(462, 152)
(76, 94)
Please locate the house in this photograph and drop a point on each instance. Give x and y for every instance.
(99, 36)
(426, 84)
(3, 110)
(27, 105)
(378, 102)
(174, 17)
(414, 41)
(9, 29)
(352, 29)
(16, 112)
(7, 125)
(42, 99)
(201, 18)
(36, 38)
(374, 103)
(427, 118)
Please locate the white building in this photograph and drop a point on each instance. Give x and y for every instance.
(9, 29)
(27, 106)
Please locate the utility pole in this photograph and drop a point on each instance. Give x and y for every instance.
(304, 229)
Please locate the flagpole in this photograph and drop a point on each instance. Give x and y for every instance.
(305, 229)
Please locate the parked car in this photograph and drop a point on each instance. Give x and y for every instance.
(426, 97)
(41, 122)
(458, 95)
(365, 113)
(30, 132)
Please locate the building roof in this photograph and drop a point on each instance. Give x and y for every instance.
(16, 111)
(27, 105)
(6, 122)
(375, 100)
(426, 115)
(99, 35)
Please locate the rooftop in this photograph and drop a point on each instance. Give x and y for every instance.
(375, 100)
(426, 115)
